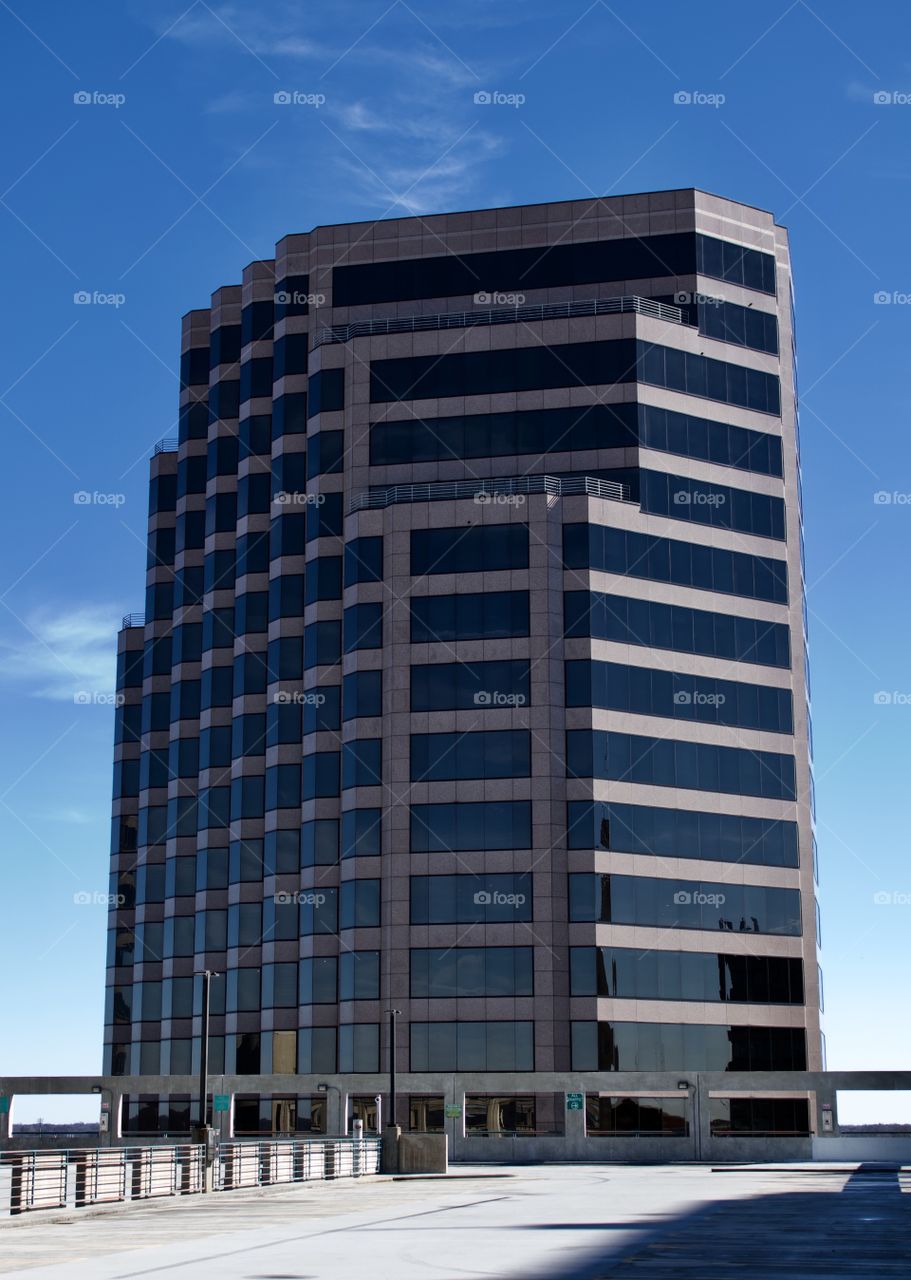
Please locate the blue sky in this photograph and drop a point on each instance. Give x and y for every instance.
(147, 161)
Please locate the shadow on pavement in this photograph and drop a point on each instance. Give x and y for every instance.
(861, 1230)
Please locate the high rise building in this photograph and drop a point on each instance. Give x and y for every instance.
(472, 676)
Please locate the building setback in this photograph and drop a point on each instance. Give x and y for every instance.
(472, 676)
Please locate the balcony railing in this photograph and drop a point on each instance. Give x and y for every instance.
(132, 620)
(488, 492)
(484, 315)
(167, 444)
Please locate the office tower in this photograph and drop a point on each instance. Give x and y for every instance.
(472, 677)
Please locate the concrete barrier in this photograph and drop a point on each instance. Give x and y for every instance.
(423, 1153)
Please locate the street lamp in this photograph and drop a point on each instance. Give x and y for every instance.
(206, 975)
(393, 1014)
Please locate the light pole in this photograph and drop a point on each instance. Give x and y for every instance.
(393, 1014)
(207, 975)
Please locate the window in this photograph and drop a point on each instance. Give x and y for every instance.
(736, 264)
(488, 435)
(290, 353)
(684, 904)
(619, 259)
(319, 842)
(500, 753)
(687, 564)
(473, 616)
(471, 899)
(719, 442)
(742, 326)
(472, 1046)
(359, 1047)
(474, 549)
(610, 1117)
(256, 324)
(628, 620)
(682, 833)
(324, 579)
(663, 762)
(320, 774)
(362, 833)
(359, 975)
(326, 391)
(359, 904)
(325, 452)
(495, 1115)
(681, 498)
(322, 644)
(322, 708)
(714, 379)
(362, 694)
(462, 827)
(363, 627)
(759, 1117)
(363, 560)
(362, 763)
(672, 1046)
(319, 980)
(652, 692)
(627, 974)
(447, 972)
(449, 686)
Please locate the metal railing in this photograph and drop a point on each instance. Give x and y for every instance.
(133, 620)
(260, 1164)
(484, 491)
(167, 444)
(78, 1177)
(501, 315)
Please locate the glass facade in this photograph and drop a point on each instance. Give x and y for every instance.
(389, 736)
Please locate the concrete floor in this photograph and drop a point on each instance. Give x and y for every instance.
(582, 1222)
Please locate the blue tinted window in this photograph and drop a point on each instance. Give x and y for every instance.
(473, 616)
(502, 753)
(440, 828)
(470, 550)
(663, 762)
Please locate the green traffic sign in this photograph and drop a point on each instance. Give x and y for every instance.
(453, 1112)
(574, 1101)
(221, 1101)
(4, 1104)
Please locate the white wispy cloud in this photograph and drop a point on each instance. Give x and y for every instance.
(61, 654)
(277, 33)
